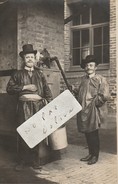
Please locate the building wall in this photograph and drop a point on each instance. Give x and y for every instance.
(67, 40)
(109, 73)
(41, 24)
(7, 36)
(29, 21)
(112, 78)
(8, 42)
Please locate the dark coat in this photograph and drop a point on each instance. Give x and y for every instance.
(26, 109)
(15, 85)
(92, 94)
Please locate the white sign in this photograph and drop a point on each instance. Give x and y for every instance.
(49, 118)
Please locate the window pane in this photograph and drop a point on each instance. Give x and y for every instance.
(81, 14)
(76, 39)
(85, 52)
(98, 36)
(106, 54)
(106, 35)
(76, 20)
(98, 53)
(100, 13)
(85, 15)
(85, 37)
(92, 38)
(76, 57)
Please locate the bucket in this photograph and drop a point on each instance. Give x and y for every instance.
(58, 139)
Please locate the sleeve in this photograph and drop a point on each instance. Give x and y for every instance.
(103, 93)
(75, 89)
(13, 86)
(46, 89)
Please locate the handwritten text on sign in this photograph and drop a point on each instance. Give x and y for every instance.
(49, 118)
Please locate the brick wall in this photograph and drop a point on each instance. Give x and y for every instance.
(67, 40)
(41, 23)
(110, 73)
(112, 78)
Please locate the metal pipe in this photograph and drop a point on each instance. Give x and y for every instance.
(62, 72)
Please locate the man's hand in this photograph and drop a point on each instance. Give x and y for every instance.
(30, 87)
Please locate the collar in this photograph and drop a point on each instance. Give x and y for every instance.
(91, 76)
(28, 69)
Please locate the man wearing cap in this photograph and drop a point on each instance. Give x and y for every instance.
(33, 93)
(92, 94)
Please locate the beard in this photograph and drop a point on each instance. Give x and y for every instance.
(29, 64)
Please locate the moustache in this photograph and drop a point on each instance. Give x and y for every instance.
(30, 61)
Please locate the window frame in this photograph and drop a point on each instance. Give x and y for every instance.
(90, 27)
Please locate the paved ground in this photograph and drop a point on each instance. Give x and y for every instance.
(68, 169)
(65, 171)
(71, 170)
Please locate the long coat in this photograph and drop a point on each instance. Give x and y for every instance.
(92, 94)
(18, 80)
(26, 109)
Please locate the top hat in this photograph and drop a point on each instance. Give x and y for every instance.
(88, 59)
(28, 48)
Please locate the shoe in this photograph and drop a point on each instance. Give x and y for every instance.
(87, 158)
(36, 167)
(39, 170)
(93, 160)
(43, 172)
(19, 167)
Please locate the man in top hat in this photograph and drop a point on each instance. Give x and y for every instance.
(92, 94)
(33, 93)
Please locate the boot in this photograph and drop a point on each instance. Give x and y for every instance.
(87, 158)
(93, 160)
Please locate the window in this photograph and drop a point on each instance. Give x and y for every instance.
(81, 45)
(101, 43)
(90, 32)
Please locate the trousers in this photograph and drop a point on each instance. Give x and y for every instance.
(93, 142)
(25, 154)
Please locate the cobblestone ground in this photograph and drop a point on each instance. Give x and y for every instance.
(70, 169)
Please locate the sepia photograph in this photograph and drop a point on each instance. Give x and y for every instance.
(58, 91)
